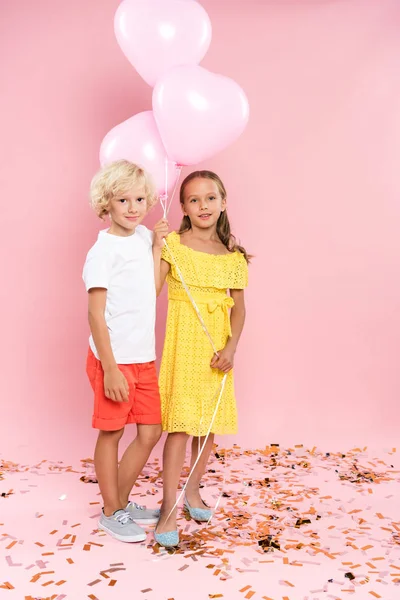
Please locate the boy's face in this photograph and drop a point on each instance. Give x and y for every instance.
(127, 211)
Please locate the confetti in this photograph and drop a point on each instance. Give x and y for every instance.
(275, 508)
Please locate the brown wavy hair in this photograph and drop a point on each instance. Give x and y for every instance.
(223, 225)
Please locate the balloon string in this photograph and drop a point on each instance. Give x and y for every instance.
(166, 206)
(179, 169)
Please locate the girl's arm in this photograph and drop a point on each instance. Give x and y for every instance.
(161, 267)
(115, 384)
(224, 362)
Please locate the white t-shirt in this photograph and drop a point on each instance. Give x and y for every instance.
(125, 267)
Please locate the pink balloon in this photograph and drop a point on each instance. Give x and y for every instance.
(137, 140)
(198, 113)
(156, 35)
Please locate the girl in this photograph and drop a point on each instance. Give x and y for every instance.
(211, 263)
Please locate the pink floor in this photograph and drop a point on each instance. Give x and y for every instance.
(292, 524)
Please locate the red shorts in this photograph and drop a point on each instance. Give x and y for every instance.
(143, 406)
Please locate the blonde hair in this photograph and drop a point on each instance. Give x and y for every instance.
(117, 179)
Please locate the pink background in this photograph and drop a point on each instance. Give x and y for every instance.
(314, 194)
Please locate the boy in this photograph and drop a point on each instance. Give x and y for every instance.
(119, 275)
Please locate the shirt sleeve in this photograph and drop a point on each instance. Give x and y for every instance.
(97, 268)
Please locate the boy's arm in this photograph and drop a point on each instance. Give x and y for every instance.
(115, 384)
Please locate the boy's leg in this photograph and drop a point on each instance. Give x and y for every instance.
(146, 412)
(106, 465)
(135, 457)
(173, 460)
(193, 484)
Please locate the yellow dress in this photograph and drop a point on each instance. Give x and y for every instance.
(188, 385)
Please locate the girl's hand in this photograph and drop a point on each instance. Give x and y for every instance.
(160, 231)
(116, 387)
(224, 360)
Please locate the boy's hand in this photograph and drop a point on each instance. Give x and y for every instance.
(116, 387)
(160, 231)
(224, 360)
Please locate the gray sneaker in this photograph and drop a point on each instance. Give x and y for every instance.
(121, 526)
(143, 515)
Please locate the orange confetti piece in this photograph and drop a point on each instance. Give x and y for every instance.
(7, 586)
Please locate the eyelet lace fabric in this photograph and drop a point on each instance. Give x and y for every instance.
(188, 386)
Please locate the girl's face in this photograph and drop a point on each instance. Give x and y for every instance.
(127, 211)
(203, 203)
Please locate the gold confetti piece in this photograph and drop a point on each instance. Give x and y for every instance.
(94, 582)
(366, 547)
(53, 532)
(112, 582)
(70, 561)
(215, 595)
(61, 582)
(48, 554)
(375, 595)
(146, 590)
(249, 595)
(47, 583)
(92, 597)
(86, 547)
(245, 588)
(11, 545)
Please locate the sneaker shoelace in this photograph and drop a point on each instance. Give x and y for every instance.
(124, 518)
(138, 506)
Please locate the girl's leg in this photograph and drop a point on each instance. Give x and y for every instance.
(193, 485)
(173, 460)
(135, 457)
(106, 465)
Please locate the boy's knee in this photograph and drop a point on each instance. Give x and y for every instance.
(150, 434)
(114, 436)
